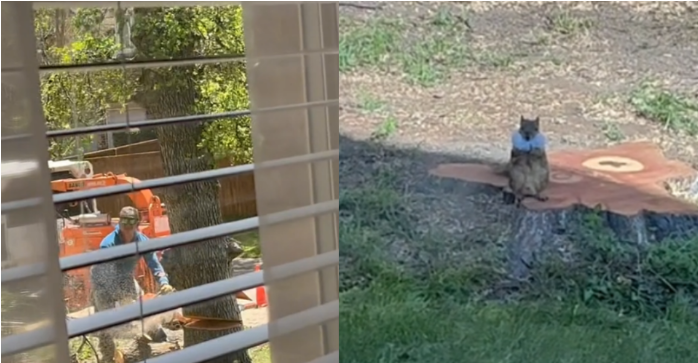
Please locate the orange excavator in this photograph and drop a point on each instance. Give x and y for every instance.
(82, 227)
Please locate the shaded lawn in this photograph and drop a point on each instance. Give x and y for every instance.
(403, 311)
(394, 324)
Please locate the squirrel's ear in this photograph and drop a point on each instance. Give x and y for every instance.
(537, 120)
(522, 118)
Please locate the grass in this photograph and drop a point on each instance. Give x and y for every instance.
(393, 323)
(82, 350)
(249, 241)
(676, 112)
(260, 354)
(615, 304)
(425, 58)
(612, 132)
(385, 129)
(370, 103)
(250, 244)
(567, 24)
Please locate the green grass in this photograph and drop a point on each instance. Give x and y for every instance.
(615, 305)
(392, 323)
(612, 132)
(674, 111)
(567, 24)
(385, 129)
(260, 354)
(426, 57)
(82, 350)
(370, 103)
(249, 241)
(250, 244)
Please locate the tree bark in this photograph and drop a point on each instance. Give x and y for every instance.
(193, 205)
(532, 231)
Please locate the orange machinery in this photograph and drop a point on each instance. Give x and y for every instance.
(84, 232)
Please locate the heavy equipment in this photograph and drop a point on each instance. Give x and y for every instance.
(82, 226)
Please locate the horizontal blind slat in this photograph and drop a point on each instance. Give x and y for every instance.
(149, 4)
(20, 204)
(199, 294)
(124, 314)
(123, 4)
(299, 267)
(121, 126)
(124, 126)
(23, 342)
(159, 63)
(179, 239)
(22, 272)
(140, 64)
(20, 343)
(18, 137)
(156, 244)
(171, 180)
(197, 235)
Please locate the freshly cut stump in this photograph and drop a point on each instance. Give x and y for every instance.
(627, 184)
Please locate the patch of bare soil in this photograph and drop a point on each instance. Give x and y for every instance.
(572, 63)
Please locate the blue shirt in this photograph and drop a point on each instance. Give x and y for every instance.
(120, 272)
(518, 142)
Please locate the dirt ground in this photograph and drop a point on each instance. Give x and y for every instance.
(255, 317)
(251, 318)
(573, 64)
(437, 82)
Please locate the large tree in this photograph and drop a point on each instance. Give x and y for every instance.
(183, 32)
(81, 99)
(72, 100)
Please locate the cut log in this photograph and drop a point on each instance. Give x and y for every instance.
(626, 185)
(135, 352)
(131, 330)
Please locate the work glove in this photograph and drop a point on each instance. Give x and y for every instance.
(166, 289)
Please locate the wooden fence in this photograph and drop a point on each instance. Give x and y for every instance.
(142, 161)
(135, 148)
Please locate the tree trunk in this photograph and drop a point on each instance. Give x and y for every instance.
(534, 230)
(172, 92)
(191, 206)
(635, 191)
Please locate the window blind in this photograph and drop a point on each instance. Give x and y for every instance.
(296, 191)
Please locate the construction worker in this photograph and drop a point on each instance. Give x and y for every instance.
(113, 283)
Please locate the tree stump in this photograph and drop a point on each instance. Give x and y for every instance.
(632, 187)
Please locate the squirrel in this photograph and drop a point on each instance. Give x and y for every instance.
(528, 169)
